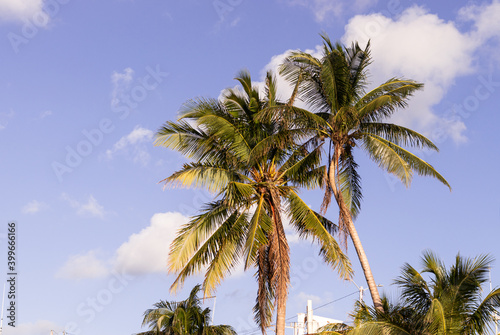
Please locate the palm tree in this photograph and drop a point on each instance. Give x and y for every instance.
(449, 303)
(182, 318)
(346, 116)
(254, 182)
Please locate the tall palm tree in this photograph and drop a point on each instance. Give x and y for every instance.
(186, 317)
(450, 302)
(346, 116)
(254, 183)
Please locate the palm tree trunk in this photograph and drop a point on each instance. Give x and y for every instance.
(279, 256)
(346, 216)
(364, 264)
(280, 318)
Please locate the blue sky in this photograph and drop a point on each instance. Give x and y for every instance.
(84, 85)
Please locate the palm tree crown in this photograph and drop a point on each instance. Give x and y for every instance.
(345, 116)
(450, 302)
(254, 181)
(185, 317)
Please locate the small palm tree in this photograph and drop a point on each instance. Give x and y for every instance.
(449, 303)
(182, 318)
(345, 116)
(255, 181)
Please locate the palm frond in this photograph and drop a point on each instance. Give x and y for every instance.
(259, 225)
(398, 161)
(398, 135)
(312, 225)
(212, 177)
(219, 251)
(349, 181)
(384, 100)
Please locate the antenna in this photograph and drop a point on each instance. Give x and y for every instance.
(213, 312)
(494, 312)
(3, 301)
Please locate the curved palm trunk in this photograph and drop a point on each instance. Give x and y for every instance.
(347, 220)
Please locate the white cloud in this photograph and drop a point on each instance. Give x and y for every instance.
(144, 252)
(416, 44)
(419, 45)
(17, 10)
(134, 144)
(84, 266)
(423, 47)
(34, 207)
(41, 327)
(90, 208)
(484, 18)
(121, 84)
(147, 251)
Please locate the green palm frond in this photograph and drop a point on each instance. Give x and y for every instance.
(298, 166)
(219, 251)
(349, 181)
(259, 225)
(225, 252)
(310, 224)
(386, 155)
(485, 314)
(298, 119)
(212, 177)
(384, 100)
(239, 194)
(334, 329)
(226, 131)
(398, 135)
(398, 161)
(448, 303)
(197, 230)
(414, 289)
(184, 317)
(182, 137)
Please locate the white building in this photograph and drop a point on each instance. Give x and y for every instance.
(308, 323)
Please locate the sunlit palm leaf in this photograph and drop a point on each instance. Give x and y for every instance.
(311, 225)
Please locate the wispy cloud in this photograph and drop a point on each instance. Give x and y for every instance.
(84, 266)
(121, 82)
(485, 20)
(17, 10)
(5, 118)
(40, 327)
(90, 208)
(325, 10)
(45, 114)
(134, 145)
(34, 207)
